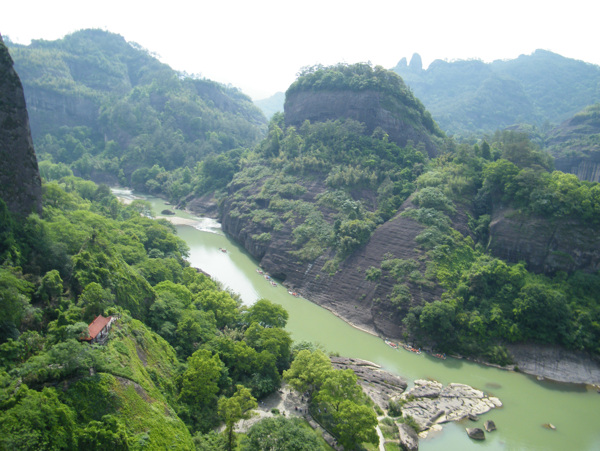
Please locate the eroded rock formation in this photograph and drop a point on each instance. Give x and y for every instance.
(429, 402)
(547, 246)
(20, 183)
(555, 363)
(368, 107)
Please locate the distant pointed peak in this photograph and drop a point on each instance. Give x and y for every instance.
(415, 62)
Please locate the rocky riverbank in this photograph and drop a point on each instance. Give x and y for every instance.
(428, 402)
(557, 364)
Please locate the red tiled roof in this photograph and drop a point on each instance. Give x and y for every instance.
(97, 325)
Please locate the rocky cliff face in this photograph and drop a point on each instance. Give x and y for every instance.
(546, 246)
(557, 364)
(50, 110)
(347, 292)
(575, 144)
(368, 107)
(20, 184)
(584, 167)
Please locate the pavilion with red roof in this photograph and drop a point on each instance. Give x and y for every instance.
(98, 329)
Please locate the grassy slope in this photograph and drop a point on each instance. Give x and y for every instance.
(138, 387)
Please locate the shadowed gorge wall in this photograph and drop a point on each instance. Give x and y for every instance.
(20, 184)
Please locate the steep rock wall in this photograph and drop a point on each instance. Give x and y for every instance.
(50, 109)
(20, 183)
(547, 246)
(584, 167)
(367, 107)
(347, 292)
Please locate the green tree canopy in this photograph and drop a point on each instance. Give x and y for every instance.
(236, 408)
(308, 371)
(355, 424)
(267, 314)
(280, 434)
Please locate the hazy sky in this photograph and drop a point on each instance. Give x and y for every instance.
(260, 45)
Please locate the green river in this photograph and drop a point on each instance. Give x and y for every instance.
(528, 403)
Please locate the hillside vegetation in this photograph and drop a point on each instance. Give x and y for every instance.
(312, 203)
(110, 111)
(179, 349)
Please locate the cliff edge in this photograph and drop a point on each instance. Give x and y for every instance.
(20, 183)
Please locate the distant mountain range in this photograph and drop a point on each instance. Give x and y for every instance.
(472, 97)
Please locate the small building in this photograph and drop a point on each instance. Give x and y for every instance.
(98, 329)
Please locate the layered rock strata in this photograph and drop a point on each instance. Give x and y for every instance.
(430, 403)
(547, 246)
(367, 107)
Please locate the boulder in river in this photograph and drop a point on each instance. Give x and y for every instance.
(167, 212)
(476, 433)
(489, 426)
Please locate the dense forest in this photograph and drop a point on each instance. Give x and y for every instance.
(488, 301)
(363, 182)
(183, 355)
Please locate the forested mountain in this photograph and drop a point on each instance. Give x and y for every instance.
(461, 251)
(110, 111)
(355, 198)
(176, 357)
(471, 96)
(372, 96)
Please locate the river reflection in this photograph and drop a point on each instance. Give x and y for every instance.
(528, 403)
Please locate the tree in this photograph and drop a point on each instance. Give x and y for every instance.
(542, 313)
(273, 340)
(355, 424)
(37, 420)
(280, 434)
(437, 320)
(194, 328)
(236, 408)
(94, 299)
(267, 314)
(51, 287)
(109, 433)
(212, 441)
(14, 293)
(308, 371)
(340, 386)
(199, 386)
(221, 304)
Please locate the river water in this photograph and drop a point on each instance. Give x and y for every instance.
(528, 403)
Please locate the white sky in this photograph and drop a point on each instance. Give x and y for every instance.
(260, 45)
